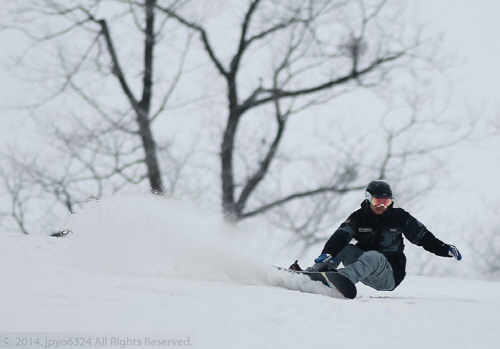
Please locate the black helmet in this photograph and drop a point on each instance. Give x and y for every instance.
(378, 189)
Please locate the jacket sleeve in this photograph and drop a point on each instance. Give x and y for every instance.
(419, 235)
(342, 236)
(432, 244)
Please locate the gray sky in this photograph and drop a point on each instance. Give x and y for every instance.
(472, 31)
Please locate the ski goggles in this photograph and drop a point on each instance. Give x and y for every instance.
(377, 202)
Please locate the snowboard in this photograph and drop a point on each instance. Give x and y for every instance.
(331, 279)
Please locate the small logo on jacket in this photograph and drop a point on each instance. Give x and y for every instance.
(365, 230)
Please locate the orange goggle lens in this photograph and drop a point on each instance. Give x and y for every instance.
(381, 202)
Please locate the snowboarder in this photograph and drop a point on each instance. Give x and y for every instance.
(377, 259)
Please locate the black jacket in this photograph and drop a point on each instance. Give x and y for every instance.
(384, 233)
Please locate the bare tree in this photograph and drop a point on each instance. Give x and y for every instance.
(292, 55)
(98, 65)
(104, 57)
(279, 63)
(20, 193)
(484, 243)
(29, 207)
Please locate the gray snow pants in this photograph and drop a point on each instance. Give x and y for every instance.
(369, 267)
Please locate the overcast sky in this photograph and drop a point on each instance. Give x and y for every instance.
(472, 30)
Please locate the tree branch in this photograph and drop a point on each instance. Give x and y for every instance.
(324, 86)
(299, 195)
(117, 70)
(264, 164)
(203, 35)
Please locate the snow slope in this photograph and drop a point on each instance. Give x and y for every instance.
(142, 265)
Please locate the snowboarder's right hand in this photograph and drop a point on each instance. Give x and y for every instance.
(325, 262)
(326, 258)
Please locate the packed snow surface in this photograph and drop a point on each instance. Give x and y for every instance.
(140, 267)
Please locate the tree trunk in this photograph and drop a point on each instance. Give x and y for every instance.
(143, 120)
(229, 207)
(151, 158)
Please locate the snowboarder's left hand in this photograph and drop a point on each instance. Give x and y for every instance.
(454, 252)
